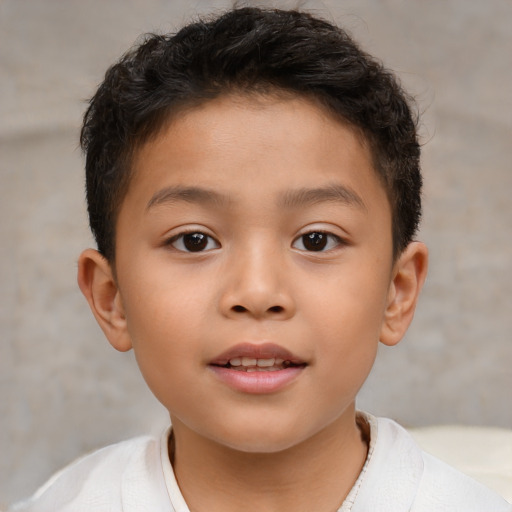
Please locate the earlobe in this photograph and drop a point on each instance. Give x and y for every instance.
(97, 282)
(409, 274)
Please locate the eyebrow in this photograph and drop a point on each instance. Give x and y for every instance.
(186, 194)
(331, 193)
(291, 199)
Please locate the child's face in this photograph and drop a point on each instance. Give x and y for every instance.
(257, 230)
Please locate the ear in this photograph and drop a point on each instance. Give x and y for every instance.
(97, 282)
(409, 273)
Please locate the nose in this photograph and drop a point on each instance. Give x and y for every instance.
(257, 285)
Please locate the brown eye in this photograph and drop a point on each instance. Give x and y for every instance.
(194, 242)
(316, 241)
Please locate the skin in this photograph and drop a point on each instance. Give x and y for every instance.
(256, 163)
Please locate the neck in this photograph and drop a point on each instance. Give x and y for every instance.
(316, 474)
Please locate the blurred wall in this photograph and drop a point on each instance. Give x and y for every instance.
(65, 391)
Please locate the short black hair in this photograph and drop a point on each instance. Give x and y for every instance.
(243, 51)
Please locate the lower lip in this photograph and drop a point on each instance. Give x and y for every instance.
(257, 382)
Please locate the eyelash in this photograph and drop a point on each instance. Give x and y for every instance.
(318, 241)
(180, 239)
(328, 241)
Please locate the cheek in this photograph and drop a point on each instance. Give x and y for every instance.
(166, 353)
(348, 355)
(349, 306)
(163, 328)
(349, 346)
(164, 303)
(346, 317)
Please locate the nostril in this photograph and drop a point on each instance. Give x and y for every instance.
(273, 309)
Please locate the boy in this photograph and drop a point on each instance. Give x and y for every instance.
(253, 185)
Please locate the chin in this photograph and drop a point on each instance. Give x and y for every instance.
(261, 439)
(260, 446)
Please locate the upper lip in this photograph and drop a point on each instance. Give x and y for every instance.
(256, 351)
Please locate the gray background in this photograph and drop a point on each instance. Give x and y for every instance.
(65, 391)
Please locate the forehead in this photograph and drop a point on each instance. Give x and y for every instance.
(234, 140)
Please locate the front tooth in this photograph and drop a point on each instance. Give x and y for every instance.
(248, 361)
(279, 362)
(265, 362)
(235, 362)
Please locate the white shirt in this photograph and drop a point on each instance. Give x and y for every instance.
(136, 476)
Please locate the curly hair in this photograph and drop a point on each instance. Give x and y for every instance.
(248, 50)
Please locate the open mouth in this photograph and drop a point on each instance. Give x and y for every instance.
(257, 368)
(250, 364)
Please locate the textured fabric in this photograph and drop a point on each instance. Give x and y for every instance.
(483, 453)
(136, 476)
(127, 477)
(400, 477)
